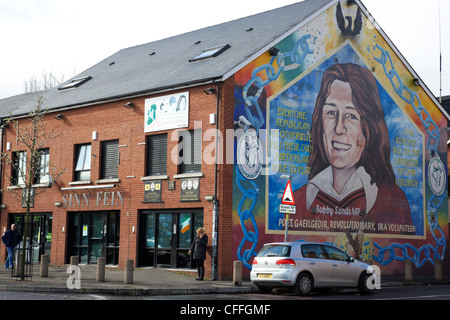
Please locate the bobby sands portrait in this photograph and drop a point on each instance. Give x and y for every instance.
(351, 177)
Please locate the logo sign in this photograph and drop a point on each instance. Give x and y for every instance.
(167, 112)
(288, 209)
(249, 155)
(288, 196)
(437, 177)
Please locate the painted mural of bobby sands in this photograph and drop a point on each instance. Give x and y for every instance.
(351, 175)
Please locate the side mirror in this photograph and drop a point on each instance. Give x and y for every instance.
(351, 259)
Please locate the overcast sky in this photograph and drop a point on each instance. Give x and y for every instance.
(67, 37)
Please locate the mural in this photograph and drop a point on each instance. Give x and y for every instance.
(336, 113)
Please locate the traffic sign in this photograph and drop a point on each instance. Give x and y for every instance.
(288, 196)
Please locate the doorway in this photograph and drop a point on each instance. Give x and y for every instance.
(93, 235)
(165, 237)
(39, 233)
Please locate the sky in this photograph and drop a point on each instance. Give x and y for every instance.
(67, 37)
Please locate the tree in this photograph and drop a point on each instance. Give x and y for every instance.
(29, 167)
(47, 81)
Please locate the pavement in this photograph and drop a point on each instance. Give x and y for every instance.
(145, 282)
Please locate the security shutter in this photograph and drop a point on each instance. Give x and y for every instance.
(110, 159)
(194, 148)
(157, 155)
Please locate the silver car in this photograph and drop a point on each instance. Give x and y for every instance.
(308, 265)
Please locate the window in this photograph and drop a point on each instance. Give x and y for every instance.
(275, 250)
(19, 168)
(43, 175)
(313, 251)
(83, 162)
(190, 143)
(210, 53)
(336, 254)
(157, 155)
(75, 83)
(110, 159)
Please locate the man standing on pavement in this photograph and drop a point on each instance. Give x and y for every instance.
(11, 239)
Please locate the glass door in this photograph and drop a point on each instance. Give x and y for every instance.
(39, 233)
(93, 235)
(97, 239)
(166, 237)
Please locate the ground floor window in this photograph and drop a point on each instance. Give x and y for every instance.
(93, 235)
(39, 232)
(165, 237)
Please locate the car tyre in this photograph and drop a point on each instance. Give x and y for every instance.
(304, 284)
(262, 289)
(362, 284)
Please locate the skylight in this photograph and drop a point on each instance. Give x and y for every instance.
(210, 53)
(75, 83)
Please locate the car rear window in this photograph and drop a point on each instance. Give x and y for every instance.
(275, 250)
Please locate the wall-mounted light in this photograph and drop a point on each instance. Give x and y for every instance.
(212, 118)
(129, 105)
(210, 91)
(273, 51)
(58, 204)
(59, 117)
(8, 146)
(416, 81)
(3, 206)
(94, 135)
(209, 198)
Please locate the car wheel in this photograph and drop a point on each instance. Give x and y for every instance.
(362, 284)
(304, 284)
(262, 289)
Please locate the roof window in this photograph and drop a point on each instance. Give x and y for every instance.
(75, 83)
(210, 53)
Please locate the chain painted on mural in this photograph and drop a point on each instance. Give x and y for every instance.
(427, 252)
(297, 57)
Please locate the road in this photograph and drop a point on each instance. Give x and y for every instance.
(435, 292)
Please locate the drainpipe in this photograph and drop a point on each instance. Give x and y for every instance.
(215, 202)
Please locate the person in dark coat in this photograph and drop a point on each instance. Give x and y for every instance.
(198, 250)
(11, 239)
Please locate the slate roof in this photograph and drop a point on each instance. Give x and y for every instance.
(136, 70)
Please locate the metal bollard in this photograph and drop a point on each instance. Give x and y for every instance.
(237, 273)
(128, 274)
(408, 270)
(438, 274)
(44, 265)
(74, 260)
(101, 263)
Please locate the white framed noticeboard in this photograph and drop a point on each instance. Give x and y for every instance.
(167, 112)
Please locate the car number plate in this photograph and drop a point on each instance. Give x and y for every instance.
(264, 275)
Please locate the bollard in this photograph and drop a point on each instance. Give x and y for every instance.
(44, 265)
(128, 274)
(101, 263)
(438, 274)
(74, 260)
(408, 270)
(237, 273)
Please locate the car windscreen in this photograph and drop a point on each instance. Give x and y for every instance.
(275, 250)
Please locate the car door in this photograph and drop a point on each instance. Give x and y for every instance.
(343, 272)
(314, 258)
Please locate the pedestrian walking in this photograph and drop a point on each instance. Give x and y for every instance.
(11, 239)
(198, 250)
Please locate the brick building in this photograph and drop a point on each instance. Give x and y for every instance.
(135, 136)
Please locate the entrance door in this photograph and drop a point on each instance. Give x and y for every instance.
(166, 236)
(94, 235)
(39, 233)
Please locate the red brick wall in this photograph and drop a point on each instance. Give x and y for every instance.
(114, 121)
